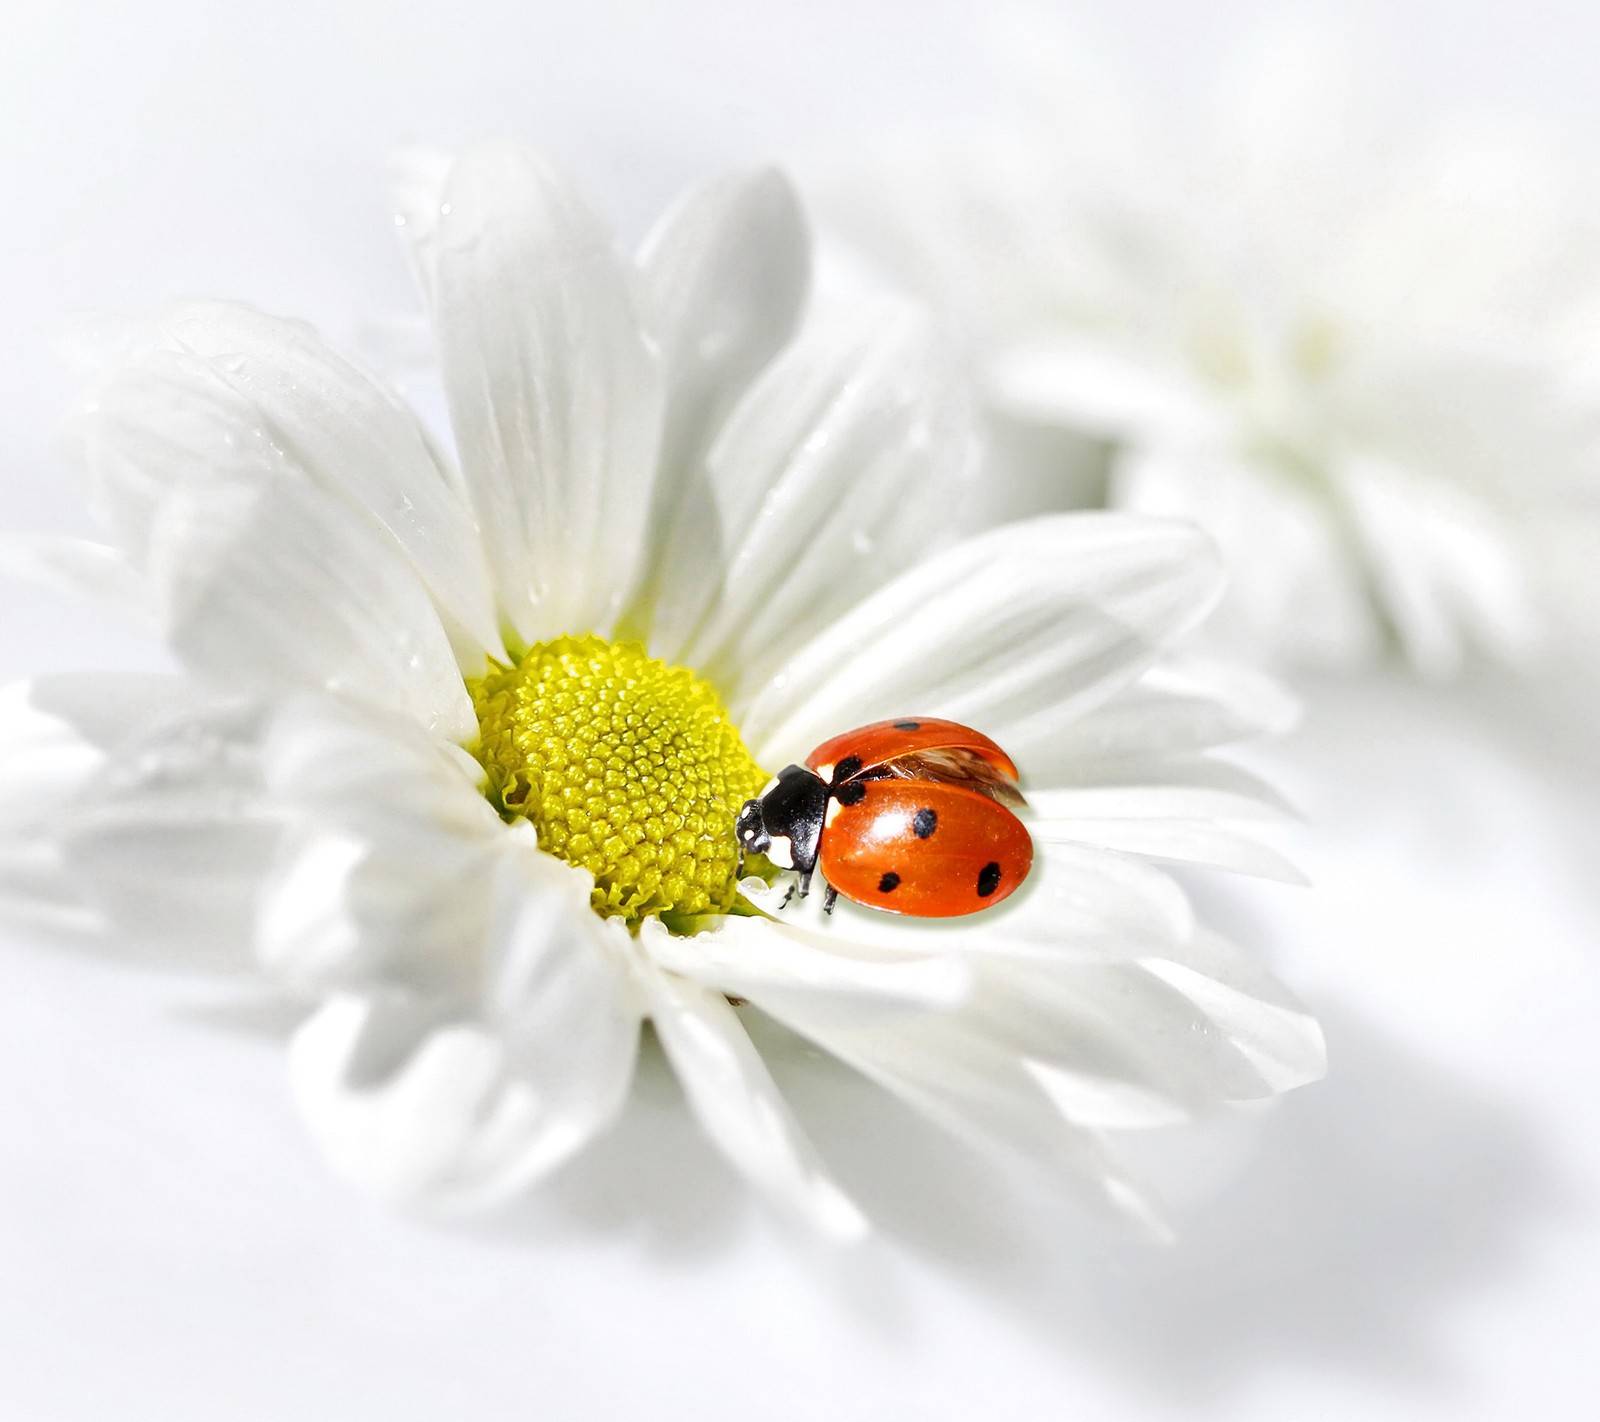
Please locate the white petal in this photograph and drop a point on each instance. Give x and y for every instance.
(45, 756)
(1099, 390)
(46, 760)
(353, 438)
(1106, 1102)
(1198, 772)
(94, 571)
(727, 269)
(1016, 631)
(1195, 824)
(848, 462)
(555, 392)
(1079, 905)
(311, 933)
(156, 420)
(1123, 1047)
(1174, 709)
(727, 266)
(428, 1102)
(268, 582)
(561, 991)
(734, 1098)
(408, 909)
(1259, 1015)
(1294, 591)
(985, 1095)
(179, 883)
(133, 806)
(1213, 844)
(131, 811)
(759, 959)
(1147, 802)
(410, 1107)
(57, 732)
(369, 772)
(260, 576)
(388, 871)
(171, 839)
(1086, 904)
(1447, 571)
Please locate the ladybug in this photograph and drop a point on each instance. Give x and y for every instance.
(911, 816)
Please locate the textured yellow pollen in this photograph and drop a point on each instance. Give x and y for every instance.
(626, 766)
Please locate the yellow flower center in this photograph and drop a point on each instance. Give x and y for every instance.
(626, 767)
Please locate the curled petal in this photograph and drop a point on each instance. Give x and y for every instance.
(412, 1108)
(736, 1101)
(456, 1105)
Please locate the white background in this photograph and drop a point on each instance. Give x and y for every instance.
(1414, 1238)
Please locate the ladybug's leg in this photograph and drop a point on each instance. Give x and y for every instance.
(830, 899)
(787, 896)
(805, 883)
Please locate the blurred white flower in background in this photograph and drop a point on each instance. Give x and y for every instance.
(1361, 355)
(677, 525)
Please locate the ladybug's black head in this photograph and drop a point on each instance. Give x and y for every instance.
(785, 821)
(751, 827)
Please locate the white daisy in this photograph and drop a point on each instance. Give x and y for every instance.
(679, 546)
(1363, 362)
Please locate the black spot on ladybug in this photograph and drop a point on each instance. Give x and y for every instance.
(908, 725)
(849, 766)
(924, 823)
(889, 883)
(988, 879)
(852, 794)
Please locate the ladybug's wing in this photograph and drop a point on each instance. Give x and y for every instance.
(918, 847)
(884, 741)
(957, 766)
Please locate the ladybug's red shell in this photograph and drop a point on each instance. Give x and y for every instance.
(884, 741)
(924, 848)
